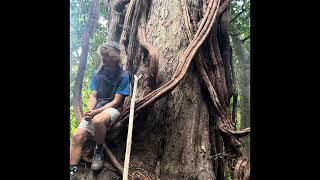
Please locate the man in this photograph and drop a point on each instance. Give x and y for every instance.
(110, 85)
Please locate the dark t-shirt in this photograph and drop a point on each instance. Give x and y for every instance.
(123, 86)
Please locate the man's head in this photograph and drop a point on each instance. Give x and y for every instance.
(109, 53)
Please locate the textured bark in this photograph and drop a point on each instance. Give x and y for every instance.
(116, 18)
(90, 28)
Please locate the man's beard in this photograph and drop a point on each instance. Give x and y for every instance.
(111, 71)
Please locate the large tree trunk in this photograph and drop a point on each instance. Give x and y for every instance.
(90, 28)
(244, 84)
(116, 18)
(189, 132)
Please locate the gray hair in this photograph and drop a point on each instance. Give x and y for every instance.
(112, 48)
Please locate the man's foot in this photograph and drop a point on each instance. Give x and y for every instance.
(73, 171)
(98, 158)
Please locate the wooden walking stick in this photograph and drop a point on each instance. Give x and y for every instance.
(129, 136)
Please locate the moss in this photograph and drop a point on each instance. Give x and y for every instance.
(227, 173)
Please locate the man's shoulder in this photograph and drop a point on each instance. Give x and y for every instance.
(124, 75)
(124, 78)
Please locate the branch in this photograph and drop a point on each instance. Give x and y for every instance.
(223, 7)
(241, 169)
(242, 11)
(125, 33)
(113, 160)
(237, 134)
(154, 56)
(77, 91)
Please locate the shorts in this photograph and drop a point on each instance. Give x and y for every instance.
(86, 125)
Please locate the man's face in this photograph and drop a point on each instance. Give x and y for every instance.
(106, 59)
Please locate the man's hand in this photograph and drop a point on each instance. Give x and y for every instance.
(90, 114)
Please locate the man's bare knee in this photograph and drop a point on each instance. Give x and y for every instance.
(96, 121)
(79, 137)
(100, 119)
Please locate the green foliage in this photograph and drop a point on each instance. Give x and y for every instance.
(73, 122)
(240, 26)
(227, 173)
(79, 14)
(238, 116)
(85, 96)
(240, 19)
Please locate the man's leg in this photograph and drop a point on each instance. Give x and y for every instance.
(76, 145)
(101, 120)
(99, 123)
(78, 139)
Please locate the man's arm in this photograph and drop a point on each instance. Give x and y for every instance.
(92, 101)
(116, 101)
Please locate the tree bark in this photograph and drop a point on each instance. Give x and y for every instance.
(90, 27)
(116, 19)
